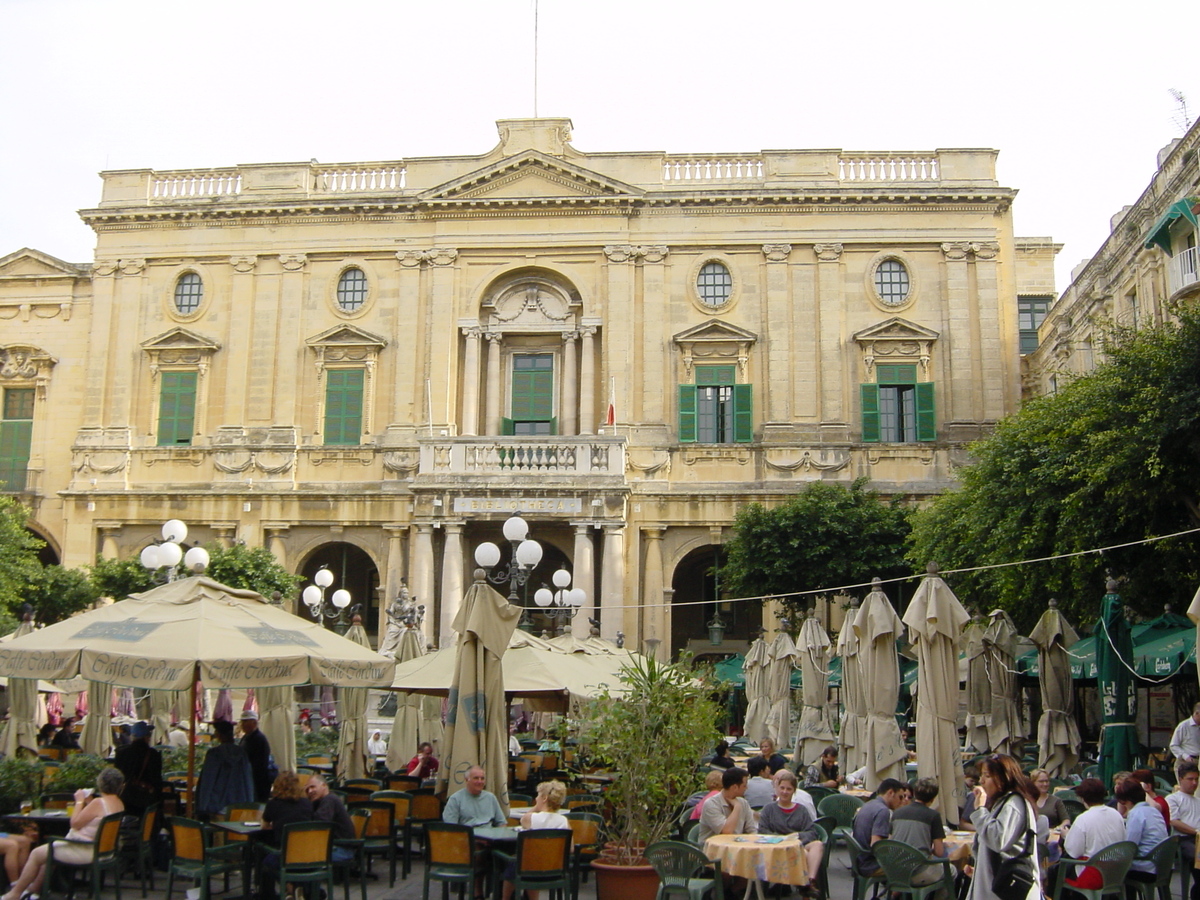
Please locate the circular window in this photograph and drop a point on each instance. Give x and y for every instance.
(892, 282)
(714, 284)
(189, 291)
(352, 290)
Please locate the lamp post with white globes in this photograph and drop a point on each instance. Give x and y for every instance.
(167, 554)
(334, 608)
(526, 554)
(560, 606)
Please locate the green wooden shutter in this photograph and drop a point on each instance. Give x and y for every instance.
(870, 412)
(506, 426)
(533, 387)
(926, 413)
(15, 440)
(554, 424)
(896, 374)
(177, 408)
(743, 413)
(343, 406)
(713, 375)
(687, 413)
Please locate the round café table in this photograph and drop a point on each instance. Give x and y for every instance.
(758, 859)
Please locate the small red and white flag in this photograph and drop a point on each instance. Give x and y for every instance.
(610, 417)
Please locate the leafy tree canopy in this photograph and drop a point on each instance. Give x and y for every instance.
(1113, 456)
(118, 578)
(57, 593)
(250, 568)
(18, 555)
(825, 536)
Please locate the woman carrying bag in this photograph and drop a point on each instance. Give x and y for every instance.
(1006, 863)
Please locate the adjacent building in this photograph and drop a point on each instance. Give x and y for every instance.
(370, 366)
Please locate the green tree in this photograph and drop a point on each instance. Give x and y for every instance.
(250, 568)
(826, 535)
(118, 578)
(18, 555)
(1113, 456)
(56, 593)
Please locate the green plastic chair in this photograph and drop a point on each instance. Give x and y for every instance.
(682, 872)
(901, 861)
(862, 883)
(380, 838)
(819, 793)
(449, 858)
(588, 829)
(1163, 857)
(1074, 808)
(843, 808)
(195, 859)
(106, 857)
(142, 853)
(1112, 862)
(359, 818)
(543, 863)
(305, 855)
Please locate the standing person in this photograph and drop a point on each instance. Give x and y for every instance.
(1046, 803)
(1097, 827)
(775, 760)
(85, 821)
(825, 772)
(225, 777)
(1143, 825)
(424, 764)
(473, 805)
(1185, 742)
(1005, 825)
(258, 751)
(919, 826)
(141, 765)
(1185, 819)
(784, 815)
(727, 812)
(873, 822)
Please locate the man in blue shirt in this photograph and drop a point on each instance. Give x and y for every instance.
(473, 805)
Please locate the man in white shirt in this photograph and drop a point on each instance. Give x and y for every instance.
(1184, 807)
(1185, 742)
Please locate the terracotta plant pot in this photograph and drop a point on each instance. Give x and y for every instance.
(624, 882)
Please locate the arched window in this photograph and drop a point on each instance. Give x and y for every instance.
(352, 290)
(714, 285)
(189, 292)
(892, 282)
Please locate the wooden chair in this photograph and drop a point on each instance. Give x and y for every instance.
(57, 800)
(380, 836)
(305, 855)
(360, 818)
(143, 850)
(587, 829)
(542, 863)
(426, 808)
(406, 783)
(449, 858)
(519, 772)
(106, 857)
(402, 822)
(583, 802)
(195, 859)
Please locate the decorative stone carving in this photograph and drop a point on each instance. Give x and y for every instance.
(104, 267)
(693, 455)
(269, 462)
(985, 249)
(181, 348)
(715, 342)
(776, 252)
(132, 266)
(243, 263)
(651, 253)
(232, 462)
(820, 460)
(292, 262)
(957, 250)
(618, 252)
(436, 256)
(650, 463)
(101, 462)
(409, 258)
(23, 364)
(532, 299)
(896, 338)
(402, 462)
(828, 252)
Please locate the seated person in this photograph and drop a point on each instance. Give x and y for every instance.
(727, 812)
(1098, 826)
(1143, 825)
(970, 779)
(288, 804)
(721, 758)
(423, 765)
(760, 790)
(825, 773)
(873, 822)
(545, 814)
(784, 815)
(919, 826)
(1047, 804)
(775, 760)
(695, 803)
(801, 796)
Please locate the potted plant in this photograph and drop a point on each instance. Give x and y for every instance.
(652, 735)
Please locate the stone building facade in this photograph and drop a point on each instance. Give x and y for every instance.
(370, 366)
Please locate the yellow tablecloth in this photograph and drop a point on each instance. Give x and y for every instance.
(740, 855)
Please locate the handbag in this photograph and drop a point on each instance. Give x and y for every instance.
(1013, 879)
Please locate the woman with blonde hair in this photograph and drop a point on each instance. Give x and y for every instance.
(545, 814)
(1046, 803)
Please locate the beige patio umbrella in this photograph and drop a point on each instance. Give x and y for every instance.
(878, 628)
(1005, 733)
(784, 659)
(352, 711)
(96, 737)
(21, 730)
(275, 721)
(758, 703)
(935, 621)
(852, 732)
(1058, 733)
(814, 732)
(407, 733)
(979, 692)
(163, 705)
(477, 718)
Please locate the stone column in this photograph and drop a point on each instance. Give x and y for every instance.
(654, 618)
(584, 576)
(961, 404)
(452, 581)
(569, 402)
(394, 576)
(997, 324)
(587, 380)
(470, 391)
(612, 585)
(276, 542)
(108, 541)
(830, 307)
(778, 363)
(226, 534)
(421, 567)
(493, 383)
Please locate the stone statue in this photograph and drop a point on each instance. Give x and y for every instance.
(402, 614)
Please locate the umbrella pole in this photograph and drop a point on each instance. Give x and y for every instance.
(188, 792)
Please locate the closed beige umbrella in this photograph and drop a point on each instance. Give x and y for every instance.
(407, 727)
(935, 621)
(852, 731)
(275, 721)
(758, 702)
(162, 705)
(96, 737)
(878, 628)
(352, 713)
(1005, 733)
(1058, 732)
(814, 732)
(477, 716)
(785, 657)
(979, 692)
(21, 730)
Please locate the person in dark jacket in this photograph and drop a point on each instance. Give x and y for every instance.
(141, 765)
(258, 751)
(225, 777)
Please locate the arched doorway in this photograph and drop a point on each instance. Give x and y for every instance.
(353, 570)
(48, 555)
(695, 579)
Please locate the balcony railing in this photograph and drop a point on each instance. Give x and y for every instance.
(491, 456)
(1182, 270)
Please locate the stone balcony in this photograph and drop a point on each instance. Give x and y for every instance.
(1183, 271)
(598, 458)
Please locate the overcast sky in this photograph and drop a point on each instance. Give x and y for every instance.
(1074, 96)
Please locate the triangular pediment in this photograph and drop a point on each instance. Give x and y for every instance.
(896, 329)
(347, 336)
(30, 263)
(531, 175)
(708, 332)
(181, 339)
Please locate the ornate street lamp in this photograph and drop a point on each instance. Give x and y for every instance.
(560, 606)
(168, 554)
(333, 608)
(526, 554)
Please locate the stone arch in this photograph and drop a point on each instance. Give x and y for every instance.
(354, 569)
(51, 554)
(526, 295)
(693, 579)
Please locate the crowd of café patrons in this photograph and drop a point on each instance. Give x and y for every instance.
(1013, 816)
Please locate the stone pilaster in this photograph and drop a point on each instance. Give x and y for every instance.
(655, 618)
(421, 566)
(493, 383)
(584, 576)
(612, 586)
(569, 399)
(452, 581)
(470, 387)
(588, 415)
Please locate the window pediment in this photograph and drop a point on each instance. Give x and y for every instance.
(531, 174)
(715, 342)
(346, 344)
(23, 364)
(896, 339)
(179, 347)
(30, 263)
